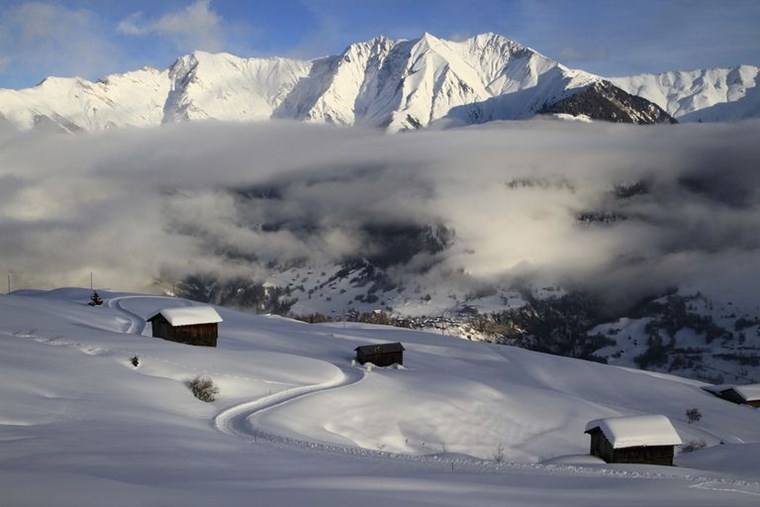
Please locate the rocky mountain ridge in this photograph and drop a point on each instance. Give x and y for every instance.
(381, 83)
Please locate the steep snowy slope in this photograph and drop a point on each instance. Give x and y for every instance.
(409, 84)
(706, 95)
(341, 89)
(296, 423)
(131, 99)
(378, 83)
(434, 80)
(225, 87)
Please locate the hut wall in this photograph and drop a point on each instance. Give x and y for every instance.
(198, 334)
(204, 335)
(600, 446)
(384, 359)
(162, 328)
(651, 455)
(732, 396)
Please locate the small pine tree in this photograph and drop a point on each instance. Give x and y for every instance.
(135, 361)
(95, 299)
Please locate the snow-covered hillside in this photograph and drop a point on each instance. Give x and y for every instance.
(703, 332)
(404, 84)
(295, 422)
(73, 104)
(228, 88)
(700, 95)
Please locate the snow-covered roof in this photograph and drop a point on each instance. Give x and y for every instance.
(638, 430)
(750, 392)
(189, 315)
(716, 389)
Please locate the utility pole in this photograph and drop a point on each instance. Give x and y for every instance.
(90, 280)
(9, 283)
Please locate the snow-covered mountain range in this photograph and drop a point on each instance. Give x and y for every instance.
(393, 84)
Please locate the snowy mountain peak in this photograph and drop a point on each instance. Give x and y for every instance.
(496, 44)
(385, 83)
(429, 38)
(146, 72)
(55, 81)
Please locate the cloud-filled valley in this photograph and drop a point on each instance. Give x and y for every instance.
(624, 211)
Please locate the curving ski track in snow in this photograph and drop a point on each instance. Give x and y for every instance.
(233, 421)
(137, 322)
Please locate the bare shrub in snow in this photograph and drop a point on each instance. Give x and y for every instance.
(134, 360)
(693, 415)
(693, 445)
(203, 388)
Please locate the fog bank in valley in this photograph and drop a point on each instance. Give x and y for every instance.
(622, 210)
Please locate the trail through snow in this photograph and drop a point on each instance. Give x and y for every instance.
(233, 421)
(137, 323)
(285, 385)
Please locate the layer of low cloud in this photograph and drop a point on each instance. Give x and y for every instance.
(236, 200)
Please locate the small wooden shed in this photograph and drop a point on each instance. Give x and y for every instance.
(645, 439)
(748, 394)
(193, 325)
(384, 354)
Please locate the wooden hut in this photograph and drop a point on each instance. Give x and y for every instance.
(748, 394)
(384, 354)
(193, 325)
(646, 439)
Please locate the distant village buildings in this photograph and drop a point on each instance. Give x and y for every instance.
(384, 354)
(192, 325)
(645, 439)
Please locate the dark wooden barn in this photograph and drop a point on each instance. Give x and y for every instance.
(743, 395)
(193, 325)
(645, 439)
(384, 354)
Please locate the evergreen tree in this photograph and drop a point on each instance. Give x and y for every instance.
(95, 299)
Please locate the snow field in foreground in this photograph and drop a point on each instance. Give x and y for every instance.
(79, 425)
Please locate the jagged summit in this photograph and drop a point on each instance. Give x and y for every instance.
(384, 83)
